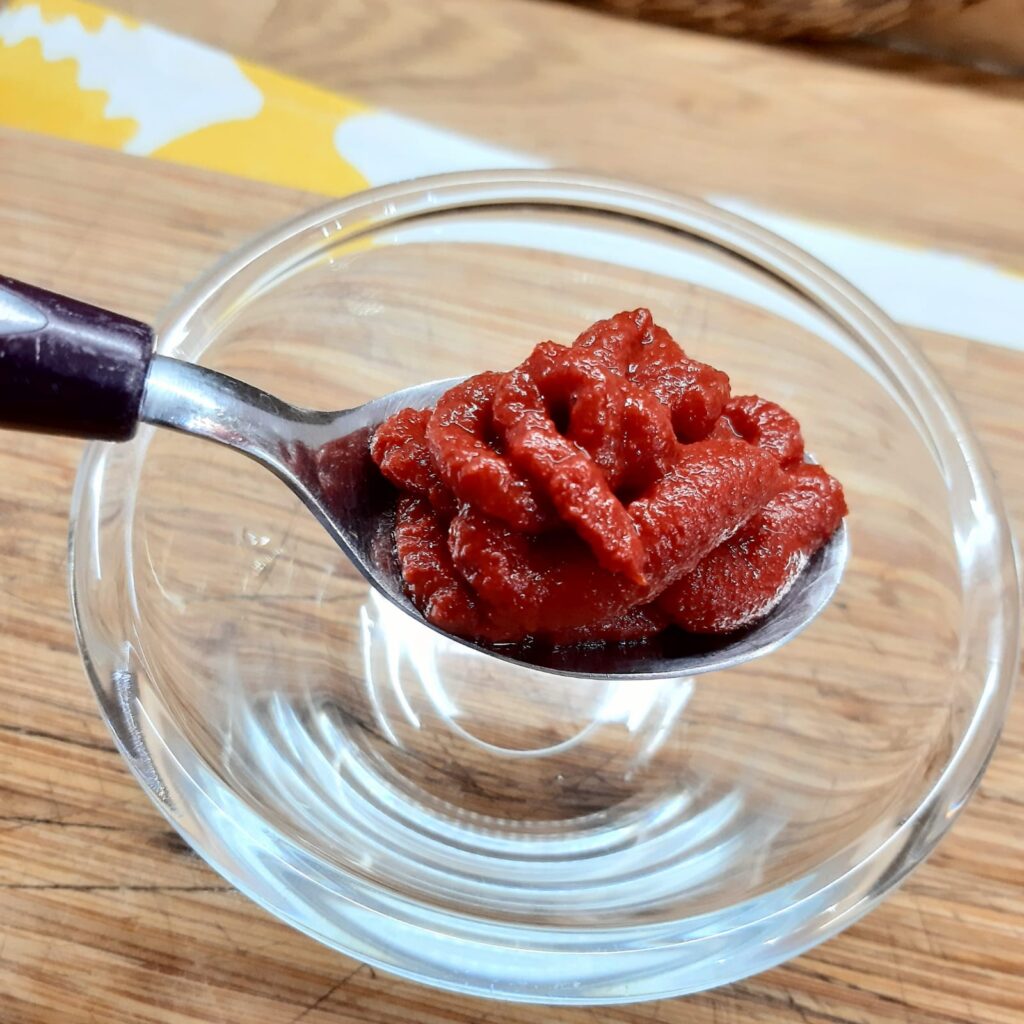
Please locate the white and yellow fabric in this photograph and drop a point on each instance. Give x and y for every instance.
(79, 71)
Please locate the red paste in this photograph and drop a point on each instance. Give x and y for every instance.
(602, 491)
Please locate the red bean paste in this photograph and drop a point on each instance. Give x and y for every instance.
(603, 491)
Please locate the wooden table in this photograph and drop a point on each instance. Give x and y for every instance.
(105, 915)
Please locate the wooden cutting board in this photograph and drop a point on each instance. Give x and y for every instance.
(104, 914)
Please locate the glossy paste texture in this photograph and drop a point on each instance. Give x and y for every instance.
(602, 492)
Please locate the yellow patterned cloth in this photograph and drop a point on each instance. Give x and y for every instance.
(78, 71)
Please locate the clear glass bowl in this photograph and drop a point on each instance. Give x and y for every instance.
(495, 829)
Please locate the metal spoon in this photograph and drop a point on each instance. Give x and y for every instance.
(72, 369)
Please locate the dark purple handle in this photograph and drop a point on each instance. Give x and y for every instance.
(69, 368)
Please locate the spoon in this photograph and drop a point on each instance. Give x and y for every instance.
(73, 369)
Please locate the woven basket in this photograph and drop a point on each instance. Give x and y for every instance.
(780, 19)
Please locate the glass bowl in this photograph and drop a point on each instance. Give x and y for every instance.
(496, 829)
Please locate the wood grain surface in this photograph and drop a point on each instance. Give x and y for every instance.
(105, 916)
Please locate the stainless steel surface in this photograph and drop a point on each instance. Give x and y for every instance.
(18, 315)
(286, 439)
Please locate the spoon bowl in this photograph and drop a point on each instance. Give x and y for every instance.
(286, 439)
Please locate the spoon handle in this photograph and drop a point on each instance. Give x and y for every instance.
(67, 367)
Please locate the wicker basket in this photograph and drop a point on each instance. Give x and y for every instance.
(780, 19)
